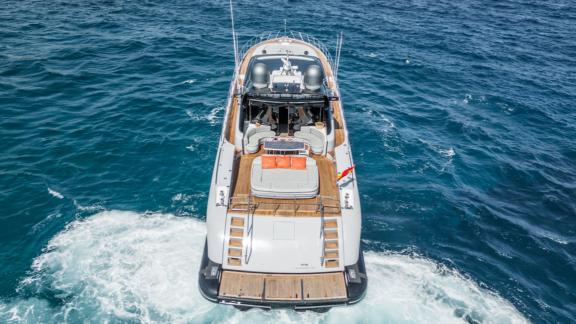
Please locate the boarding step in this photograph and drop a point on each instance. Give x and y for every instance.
(331, 235)
(234, 252)
(237, 221)
(237, 232)
(331, 264)
(235, 243)
(235, 247)
(234, 261)
(331, 245)
(331, 224)
(331, 253)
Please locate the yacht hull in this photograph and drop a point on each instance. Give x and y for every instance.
(284, 216)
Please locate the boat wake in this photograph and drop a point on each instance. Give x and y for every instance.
(124, 266)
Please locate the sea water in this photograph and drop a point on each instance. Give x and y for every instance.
(461, 119)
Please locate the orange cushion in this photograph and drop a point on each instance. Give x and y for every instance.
(283, 162)
(268, 162)
(299, 163)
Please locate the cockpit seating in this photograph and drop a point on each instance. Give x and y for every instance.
(314, 137)
(254, 136)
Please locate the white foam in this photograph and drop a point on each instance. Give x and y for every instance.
(123, 266)
(55, 193)
(44, 222)
(90, 208)
(388, 124)
(214, 114)
(449, 152)
(212, 117)
(194, 145)
(180, 197)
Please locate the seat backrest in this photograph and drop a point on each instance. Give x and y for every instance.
(255, 130)
(316, 133)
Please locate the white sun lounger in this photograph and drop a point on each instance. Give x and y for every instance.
(284, 183)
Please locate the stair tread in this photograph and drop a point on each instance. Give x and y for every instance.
(331, 264)
(330, 245)
(236, 232)
(237, 221)
(234, 261)
(331, 254)
(237, 243)
(235, 252)
(331, 235)
(330, 224)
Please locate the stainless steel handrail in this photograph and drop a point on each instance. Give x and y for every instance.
(244, 203)
(290, 34)
(322, 235)
(249, 233)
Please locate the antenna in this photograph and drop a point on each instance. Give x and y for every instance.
(339, 41)
(234, 40)
(285, 33)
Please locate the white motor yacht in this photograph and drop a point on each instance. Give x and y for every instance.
(284, 217)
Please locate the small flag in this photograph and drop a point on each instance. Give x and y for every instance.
(345, 172)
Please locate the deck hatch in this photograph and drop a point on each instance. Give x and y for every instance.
(284, 231)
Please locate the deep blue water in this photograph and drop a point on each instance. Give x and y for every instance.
(462, 119)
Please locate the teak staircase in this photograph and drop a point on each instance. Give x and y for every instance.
(236, 240)
(236, 243)
(330, 255)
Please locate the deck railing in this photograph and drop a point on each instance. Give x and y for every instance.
(290, 34)
(322, 237)
(319, 207)
(249, 234)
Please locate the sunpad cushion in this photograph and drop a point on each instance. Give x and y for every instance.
(268, 162)
(298, 163)
(283, 162)
(283, 183)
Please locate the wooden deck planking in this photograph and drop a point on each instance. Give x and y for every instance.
(277, 287)
(241, 285)
(232, 121)
(283, 288)
(328, 286)
(336, 106)
(289, 207)
(338, 129)
(234, 110)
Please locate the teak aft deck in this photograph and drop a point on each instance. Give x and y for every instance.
(328, 197)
